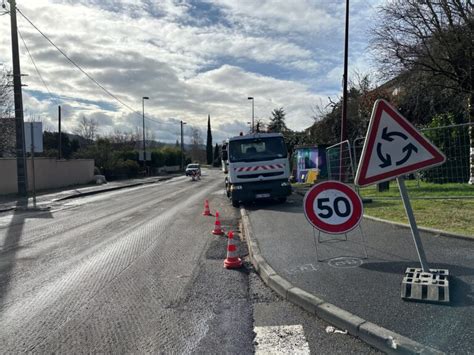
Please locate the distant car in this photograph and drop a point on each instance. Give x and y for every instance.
(193, 168)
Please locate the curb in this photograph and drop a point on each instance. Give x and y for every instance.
(95, 192)
(424, 229)
(407, 226)
(379, 337)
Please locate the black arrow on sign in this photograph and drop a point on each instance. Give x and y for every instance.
(388, 135)
(409, 148)
(387, 160)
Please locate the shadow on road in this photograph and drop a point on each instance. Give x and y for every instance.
(461, 293)
(10, 245)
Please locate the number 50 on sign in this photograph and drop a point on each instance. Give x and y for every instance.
(333, 207)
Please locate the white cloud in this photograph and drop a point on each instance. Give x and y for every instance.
(285, 54)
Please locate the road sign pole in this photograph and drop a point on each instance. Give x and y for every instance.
(414, 228)
(33, 163)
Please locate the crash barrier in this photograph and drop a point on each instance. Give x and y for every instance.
(49, 173)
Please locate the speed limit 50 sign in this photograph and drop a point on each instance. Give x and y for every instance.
(333, 207)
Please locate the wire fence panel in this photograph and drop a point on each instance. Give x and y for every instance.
(453, 141)
(340, 163)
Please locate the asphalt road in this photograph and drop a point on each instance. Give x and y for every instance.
(138, 271)
(370, 288)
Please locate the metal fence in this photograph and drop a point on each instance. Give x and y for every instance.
(340, 163)
(452, 140)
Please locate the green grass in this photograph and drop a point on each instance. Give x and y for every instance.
(453, 215)
(438, 206)
(421, 189)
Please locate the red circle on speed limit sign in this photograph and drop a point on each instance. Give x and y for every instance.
(333, 207)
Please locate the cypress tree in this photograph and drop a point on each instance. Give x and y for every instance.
(209, 141)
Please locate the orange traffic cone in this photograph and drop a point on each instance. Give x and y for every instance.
(217, 226)
(207, 211)
(232, 261)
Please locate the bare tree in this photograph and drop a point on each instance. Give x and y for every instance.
(6, 94)
(198, 153)
(434, 37)
(87, 128)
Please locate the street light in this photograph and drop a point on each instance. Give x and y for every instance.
(251, 98)
(144, 146)
(182, 145)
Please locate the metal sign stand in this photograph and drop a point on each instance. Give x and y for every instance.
(421, 283)
(319, 241)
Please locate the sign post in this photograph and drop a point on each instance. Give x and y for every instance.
(393, 148)
(33, 164)
(34, 143)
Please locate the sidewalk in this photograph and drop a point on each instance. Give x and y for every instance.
(363, 295)
(44, 198)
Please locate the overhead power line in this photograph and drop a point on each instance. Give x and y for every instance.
(77, 65)
(108, 92)
(36, 68)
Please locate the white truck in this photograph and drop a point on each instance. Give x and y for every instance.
(256, 167)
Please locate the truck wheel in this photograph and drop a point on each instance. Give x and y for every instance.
(235, 203)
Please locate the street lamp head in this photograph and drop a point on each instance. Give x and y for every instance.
(250, 98)
(145, 98)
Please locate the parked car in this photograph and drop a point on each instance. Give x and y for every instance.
(193, 168)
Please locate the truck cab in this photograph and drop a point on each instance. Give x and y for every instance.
(257, 168)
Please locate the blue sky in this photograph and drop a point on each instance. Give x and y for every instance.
(192, 58)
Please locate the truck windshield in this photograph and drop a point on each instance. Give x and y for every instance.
(256, 149)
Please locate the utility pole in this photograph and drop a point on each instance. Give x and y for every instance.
(144, 146)
(344, 97)
(19, 122)
(344, 94)
(59, 130)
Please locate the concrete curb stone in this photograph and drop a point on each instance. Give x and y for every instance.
(379, 337)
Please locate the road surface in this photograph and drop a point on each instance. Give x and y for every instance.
(138, 271)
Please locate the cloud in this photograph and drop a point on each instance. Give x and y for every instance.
(191, 58)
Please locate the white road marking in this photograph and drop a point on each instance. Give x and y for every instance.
(219, 192)
(284, 339)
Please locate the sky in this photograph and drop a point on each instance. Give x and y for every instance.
(191, 58)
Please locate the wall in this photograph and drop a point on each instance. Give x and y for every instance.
(50, 173)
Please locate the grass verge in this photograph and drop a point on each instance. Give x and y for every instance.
(456, 216)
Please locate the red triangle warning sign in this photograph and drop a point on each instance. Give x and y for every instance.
(393, 147)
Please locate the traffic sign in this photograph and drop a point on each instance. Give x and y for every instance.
(333, 207)
(393, 147)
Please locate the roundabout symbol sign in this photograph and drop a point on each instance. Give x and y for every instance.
(333, 207)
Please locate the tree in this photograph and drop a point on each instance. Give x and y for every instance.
(6, 95)
(197, 153)
(209, 141)
(87, 128)
(432, 37)
(277, 121)
(217, 156)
